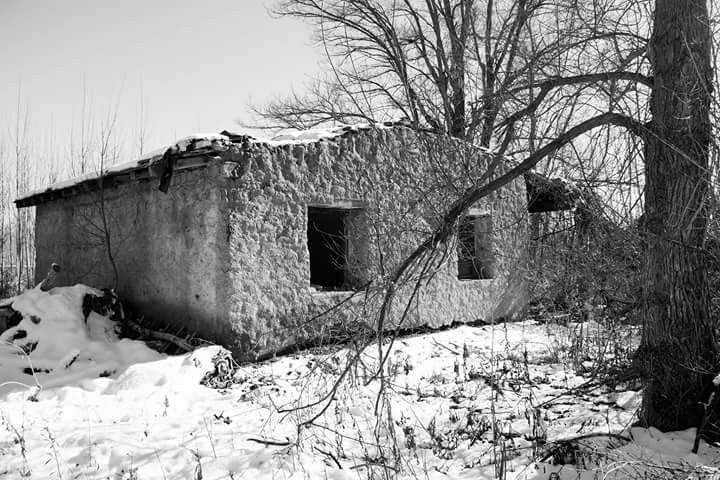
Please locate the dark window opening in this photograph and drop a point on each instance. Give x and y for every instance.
(331, 234)
(476, 260)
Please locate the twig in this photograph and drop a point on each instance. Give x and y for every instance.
(332, 457)
(454, 352)
(374, 464)
(159, 335)
(267, 441)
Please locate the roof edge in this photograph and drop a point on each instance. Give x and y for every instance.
(95, 182)
(193, 152)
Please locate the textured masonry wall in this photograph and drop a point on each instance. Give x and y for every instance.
(402, 181)
(224, 253)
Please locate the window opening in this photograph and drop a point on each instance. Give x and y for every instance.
(476, 260)
(332, 234)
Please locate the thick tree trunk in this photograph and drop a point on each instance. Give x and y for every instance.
(678, 352)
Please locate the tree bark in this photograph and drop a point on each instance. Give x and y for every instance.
(677, 352)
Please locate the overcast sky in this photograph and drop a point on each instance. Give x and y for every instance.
(196, 64)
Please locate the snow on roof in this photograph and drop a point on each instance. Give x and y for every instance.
(63, 184)
(318, 134)
(196, 142)
(202, 143)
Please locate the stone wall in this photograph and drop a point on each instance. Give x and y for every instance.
(404, 184)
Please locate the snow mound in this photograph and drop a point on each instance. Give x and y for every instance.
(199, 141)
(178, 373)
(55, 344)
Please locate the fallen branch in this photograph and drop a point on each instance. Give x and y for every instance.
(265, 441)
(572, 447)
(167, 337)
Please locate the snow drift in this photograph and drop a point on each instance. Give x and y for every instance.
(105, 407)
(55, 343)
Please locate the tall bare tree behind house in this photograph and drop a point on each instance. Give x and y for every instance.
(481, 71)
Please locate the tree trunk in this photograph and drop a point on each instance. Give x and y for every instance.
(677, 352)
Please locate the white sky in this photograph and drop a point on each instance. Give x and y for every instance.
(196, 64)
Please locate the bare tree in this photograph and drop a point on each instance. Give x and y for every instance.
(538, 76)
(472, 71)
(4, 210)
(108, 155)
(142, 125)
(23, 226)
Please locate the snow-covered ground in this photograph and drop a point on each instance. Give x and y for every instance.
(464, 403)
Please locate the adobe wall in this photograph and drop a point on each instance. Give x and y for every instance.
(165, 246)
(402, 184)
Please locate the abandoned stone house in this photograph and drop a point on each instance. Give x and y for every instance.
(253, 244)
